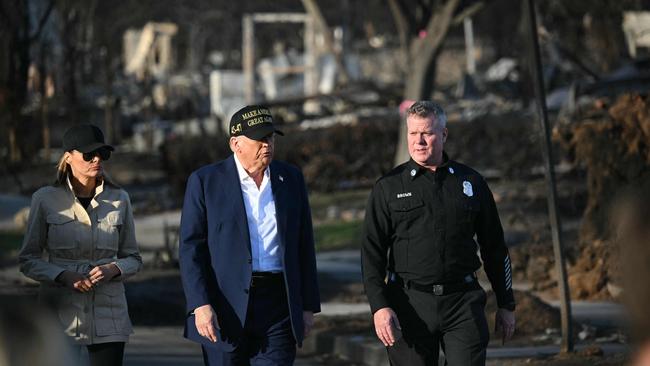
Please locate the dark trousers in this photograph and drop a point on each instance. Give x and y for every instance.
(268, 339)
(106, 354)
(454, 322)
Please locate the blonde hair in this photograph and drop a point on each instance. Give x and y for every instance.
(63, 170)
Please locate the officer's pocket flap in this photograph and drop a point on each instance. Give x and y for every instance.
(405, 204)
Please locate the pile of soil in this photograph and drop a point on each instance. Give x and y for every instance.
(533, 316)
(615, 152)
(523, 209)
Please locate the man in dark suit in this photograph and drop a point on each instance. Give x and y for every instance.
(247, 252)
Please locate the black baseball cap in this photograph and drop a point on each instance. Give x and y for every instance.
(84, 138)
(254, 122)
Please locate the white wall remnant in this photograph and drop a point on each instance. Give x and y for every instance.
(226, 94)
(149, 51)
(636, 26)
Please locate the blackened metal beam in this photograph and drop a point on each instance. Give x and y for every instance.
(556, 228)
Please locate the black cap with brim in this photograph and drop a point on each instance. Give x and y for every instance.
(261, 131)
(84, 138)
(93, 147)
(254, 122)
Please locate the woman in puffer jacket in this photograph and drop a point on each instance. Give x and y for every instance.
(85, 224)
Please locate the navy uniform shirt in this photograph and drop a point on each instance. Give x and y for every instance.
(421, 225)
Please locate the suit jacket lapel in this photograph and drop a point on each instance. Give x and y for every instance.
(279, 183)
(233, 189)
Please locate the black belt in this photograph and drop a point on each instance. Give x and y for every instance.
(267, 279)
(469, 283)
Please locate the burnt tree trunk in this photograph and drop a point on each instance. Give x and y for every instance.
(423, 51)
(15, 24)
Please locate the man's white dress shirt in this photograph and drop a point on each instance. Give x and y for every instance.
(262, 221)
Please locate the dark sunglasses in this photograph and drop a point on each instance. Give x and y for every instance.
(103, 154)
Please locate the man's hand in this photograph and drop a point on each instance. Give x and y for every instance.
(504, 321)
(103, 273)
(75, 281)
(387, 326)
(206, 322)
(308, 321)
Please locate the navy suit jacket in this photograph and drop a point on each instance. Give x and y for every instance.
(215, 250)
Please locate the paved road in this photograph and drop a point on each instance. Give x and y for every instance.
(155, 360)
(162, 346)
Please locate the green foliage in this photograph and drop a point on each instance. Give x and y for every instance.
(338, 235)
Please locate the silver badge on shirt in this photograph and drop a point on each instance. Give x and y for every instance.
(467, 188)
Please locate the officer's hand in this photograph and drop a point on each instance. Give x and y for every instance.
(75, 281)
(504, 321)
(103, 273)
(387, 326)
(206, 322)
(308, 321)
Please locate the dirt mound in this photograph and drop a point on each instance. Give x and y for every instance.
(533, 315)
(534, 263)
(615, 152)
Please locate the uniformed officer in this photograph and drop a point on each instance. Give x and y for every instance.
(419, 255)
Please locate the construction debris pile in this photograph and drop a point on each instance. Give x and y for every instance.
(615, 152)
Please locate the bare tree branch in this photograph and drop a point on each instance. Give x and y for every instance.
(467, 12)
(436, 30)
(403, 30)
(408, 15)
(42, 21)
